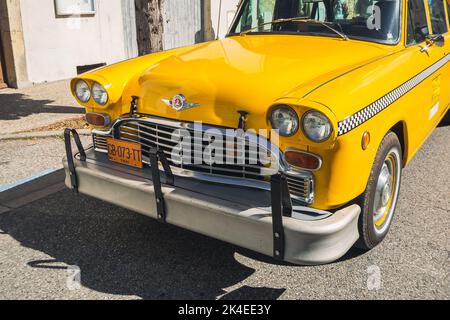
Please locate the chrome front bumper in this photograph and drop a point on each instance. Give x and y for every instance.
(238, 215)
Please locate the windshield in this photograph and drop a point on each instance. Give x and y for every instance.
(370, 20)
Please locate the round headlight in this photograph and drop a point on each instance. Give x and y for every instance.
(285, 119)
(99, 94)
(82, 91)
(316, 126)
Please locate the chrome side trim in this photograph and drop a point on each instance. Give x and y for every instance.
(354, 121)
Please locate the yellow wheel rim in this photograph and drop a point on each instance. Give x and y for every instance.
(386, 192)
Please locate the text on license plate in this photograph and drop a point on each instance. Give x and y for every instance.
(124, 152)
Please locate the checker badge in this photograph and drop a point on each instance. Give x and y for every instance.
(179, 103)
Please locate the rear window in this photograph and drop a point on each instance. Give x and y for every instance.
(417, 22)
(448, 9)
(437, 15)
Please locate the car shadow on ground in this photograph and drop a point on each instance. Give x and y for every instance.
(445, 122)
(351, 254)
(15, 106)
(123, 253)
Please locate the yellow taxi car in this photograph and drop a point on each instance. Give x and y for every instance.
(288, 137)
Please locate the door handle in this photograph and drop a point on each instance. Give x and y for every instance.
(434, 39)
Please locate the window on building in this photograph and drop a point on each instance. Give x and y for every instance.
(437, 15)
(74, 7)
(417, 22)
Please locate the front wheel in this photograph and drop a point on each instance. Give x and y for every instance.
(379, 201)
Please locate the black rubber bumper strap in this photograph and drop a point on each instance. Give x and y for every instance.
(281, 207)
(70, 158)
(157, 156)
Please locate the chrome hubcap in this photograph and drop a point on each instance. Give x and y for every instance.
(386, 192)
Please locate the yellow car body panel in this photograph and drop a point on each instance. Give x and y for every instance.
(342, 79)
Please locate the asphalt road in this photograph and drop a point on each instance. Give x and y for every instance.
(122, 255)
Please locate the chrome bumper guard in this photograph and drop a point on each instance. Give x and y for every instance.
(298, 235)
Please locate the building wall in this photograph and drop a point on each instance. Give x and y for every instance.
(182, 23)
(55, 46)
(41, 47)
(183, 20)
(11, 35)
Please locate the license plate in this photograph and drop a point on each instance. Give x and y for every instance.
(124, 152)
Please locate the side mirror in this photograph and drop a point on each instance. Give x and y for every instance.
(436, 39)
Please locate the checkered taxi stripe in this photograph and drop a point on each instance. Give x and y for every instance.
(376, 107)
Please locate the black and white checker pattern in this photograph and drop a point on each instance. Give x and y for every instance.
(376, 107)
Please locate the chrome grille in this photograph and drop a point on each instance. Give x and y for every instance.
(301, 187)
(100, 142)
(151, 134)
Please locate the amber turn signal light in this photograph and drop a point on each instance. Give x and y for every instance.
(303, 160)
(98, 119)
(365, 140)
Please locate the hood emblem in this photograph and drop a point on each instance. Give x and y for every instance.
(179, 103)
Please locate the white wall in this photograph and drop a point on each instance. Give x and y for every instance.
(56, 45)
(229, 9)
(182, 23)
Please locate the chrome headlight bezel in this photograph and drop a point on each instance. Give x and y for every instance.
(294, 118)
(327, 126)
(86, 90)
(99, 94)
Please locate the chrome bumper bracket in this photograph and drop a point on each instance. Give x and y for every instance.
(281, 207)
(156, 156)
(68, 144)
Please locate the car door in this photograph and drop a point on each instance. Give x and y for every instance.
(424, 72)
(446, 75)
(441, 80)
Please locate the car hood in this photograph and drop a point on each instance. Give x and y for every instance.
(248, 73)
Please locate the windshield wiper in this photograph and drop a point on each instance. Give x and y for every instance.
(298, 19)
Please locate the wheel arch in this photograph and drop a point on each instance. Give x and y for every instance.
(401, 130)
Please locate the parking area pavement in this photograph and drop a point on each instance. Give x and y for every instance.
(26, 115)
(37, 106)
(121, 255)
(23, 158)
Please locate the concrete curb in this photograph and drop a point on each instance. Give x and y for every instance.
(36, 135)
(32, 189)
